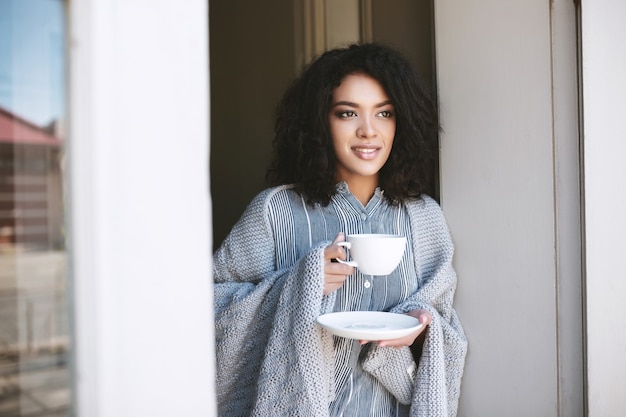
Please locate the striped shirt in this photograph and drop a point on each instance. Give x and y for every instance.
(358, 394)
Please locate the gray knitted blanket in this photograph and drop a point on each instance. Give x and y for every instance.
(274, 360)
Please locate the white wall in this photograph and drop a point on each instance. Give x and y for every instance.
(604, 89)
(139, 208)
(509, 187)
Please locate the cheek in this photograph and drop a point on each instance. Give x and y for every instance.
(389, 135)
(390, 140)
(387, 130)
(339, 134)
(335, 138)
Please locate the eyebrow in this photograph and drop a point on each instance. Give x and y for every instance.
(355, 105)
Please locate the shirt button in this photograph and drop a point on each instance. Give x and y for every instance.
(363, 216)
(367, 284)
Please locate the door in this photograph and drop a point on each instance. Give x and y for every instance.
(507, 81)
(510, 188)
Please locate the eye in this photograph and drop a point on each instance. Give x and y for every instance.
(345, 114)
(386, 114)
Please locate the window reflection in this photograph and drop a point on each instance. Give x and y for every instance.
(34, 337)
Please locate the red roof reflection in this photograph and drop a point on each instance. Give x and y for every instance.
(14, 129)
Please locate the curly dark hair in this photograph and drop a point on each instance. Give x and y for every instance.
(303, 147)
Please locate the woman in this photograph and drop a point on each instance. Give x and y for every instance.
(355, 142)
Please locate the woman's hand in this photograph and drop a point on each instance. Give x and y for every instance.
(334, 272)
(424, 318)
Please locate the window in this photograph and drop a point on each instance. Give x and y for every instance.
(34, 313)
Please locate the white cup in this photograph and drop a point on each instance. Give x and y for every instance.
(374, 254)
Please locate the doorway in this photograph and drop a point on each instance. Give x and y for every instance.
(256, 50)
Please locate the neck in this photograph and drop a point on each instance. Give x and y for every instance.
(363, 189)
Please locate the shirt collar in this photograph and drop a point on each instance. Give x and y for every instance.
(342, 188)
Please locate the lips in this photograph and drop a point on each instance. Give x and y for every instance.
(365, 152)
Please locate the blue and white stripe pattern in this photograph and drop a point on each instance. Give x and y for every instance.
(358, 393)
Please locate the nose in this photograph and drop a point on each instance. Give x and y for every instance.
(366, 129)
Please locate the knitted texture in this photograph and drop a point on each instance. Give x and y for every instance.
(395, 371)
(438, 380)
(272, 357)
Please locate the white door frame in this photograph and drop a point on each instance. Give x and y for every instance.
(604, 92)
(139, 213)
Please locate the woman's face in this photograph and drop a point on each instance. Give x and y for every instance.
(362, 126)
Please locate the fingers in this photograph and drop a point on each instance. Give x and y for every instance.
(334, 276)
(424, 317)
(403, 341)
(335, 273)
(334, 251)
(329, 288)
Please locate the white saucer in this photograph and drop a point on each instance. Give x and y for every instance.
(369, 325)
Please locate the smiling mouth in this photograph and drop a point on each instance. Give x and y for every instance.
(365, 150)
